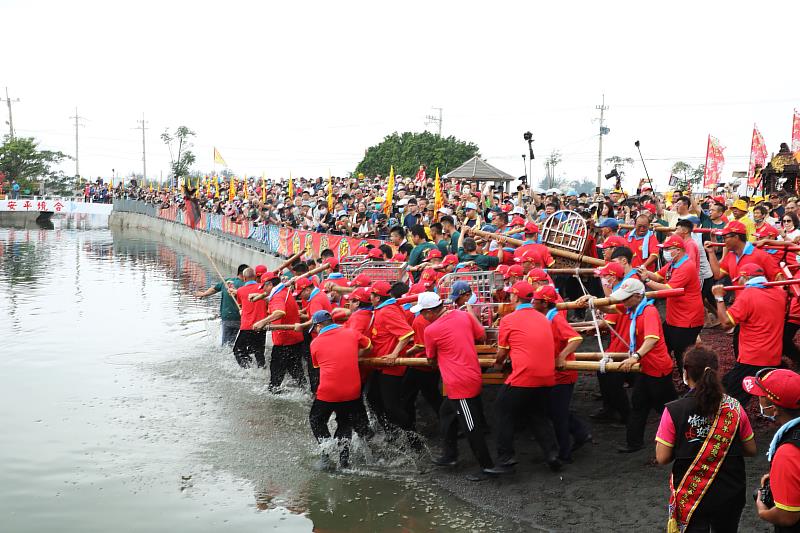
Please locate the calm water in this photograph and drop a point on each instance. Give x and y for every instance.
(120, 413)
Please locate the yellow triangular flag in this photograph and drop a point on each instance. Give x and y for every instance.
(218, 158)
(387, 204)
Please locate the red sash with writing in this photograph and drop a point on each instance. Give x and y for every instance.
(704, 468)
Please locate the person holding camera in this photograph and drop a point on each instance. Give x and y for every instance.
(778, 498)
(706, 435)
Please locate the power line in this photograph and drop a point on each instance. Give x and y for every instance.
(432, 119)
(9, 100)
(77, 126)
(603, 131)
(142, 126)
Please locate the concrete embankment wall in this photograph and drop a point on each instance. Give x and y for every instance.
(222, 251)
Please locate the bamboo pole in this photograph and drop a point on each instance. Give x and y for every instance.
(600, 302)
(553, 250)
(589, 271)
(781, 283)
(288, 262)
(666, 228)
(485, 362)
(788, 247)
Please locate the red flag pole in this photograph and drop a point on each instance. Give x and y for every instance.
(752, 166)
(705, 168)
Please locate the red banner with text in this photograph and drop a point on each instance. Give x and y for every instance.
(292, 241)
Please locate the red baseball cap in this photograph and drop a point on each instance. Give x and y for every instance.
(781, 386)
(537, 274)
(673, 242)
(361, 250)
(517, 221)
(434, 253)
(513, 271)
(362, 280)
(429, 274)
(612, 268)
(531, 228)
(523, 289)
(507, 207)
(399, 258)
(332, 261)
(612, 242)
(650, 207)
(450, 259)
(269, 276)
(767, 231)
(502, 269)
(524, 254)
(720, 200)
(381, 288)
(546, 292)
(301, 284)
(260, 270)
(375, 253)
(749, 270)
(734, 226)
(361, 294)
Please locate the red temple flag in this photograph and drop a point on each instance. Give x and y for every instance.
(796, 131)
(758, 156)
(714, 163)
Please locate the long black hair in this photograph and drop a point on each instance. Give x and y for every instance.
(702, 365)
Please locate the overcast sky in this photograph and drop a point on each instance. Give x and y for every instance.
(308, 86)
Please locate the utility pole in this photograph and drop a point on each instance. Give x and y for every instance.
(77, 125)
(603, 131)
(9, 100)
(433, 119)
(142, 126)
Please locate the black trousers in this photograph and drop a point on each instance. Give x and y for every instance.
(612, 389)
(395, 403)
(371, 390)
(468, 414)
(565, 423)
(649, 392)
(417, 382)
(350, 415)
(678, 340)
(732, 381)
(286, 358)
(726, 520)
(250, 344)
(790, 349)
(529, 402)
(313, 373)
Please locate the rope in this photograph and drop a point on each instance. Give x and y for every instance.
(605, 358)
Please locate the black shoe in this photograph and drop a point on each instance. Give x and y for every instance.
(566, 460)
(511, 461)
(444, 461)
(578, 444)
(603, 416)
(629, 449)
(498, 470)
(477, 477)
(554, 464)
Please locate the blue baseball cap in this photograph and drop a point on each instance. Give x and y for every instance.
(609, 223)
(319, 317)
(459, 288)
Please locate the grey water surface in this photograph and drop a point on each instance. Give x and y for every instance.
(120, 412)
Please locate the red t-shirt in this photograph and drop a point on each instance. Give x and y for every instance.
(730, 263)
(283, 301)
(656, 362)
(335, 353)
(760, 316)
(252, 312)
(389, 328)
(540, 249)
(451, 340)
(636, 244)
(418, 325)
(621, 324)
(318, 301)
(693, 251)
(562, 335)
(685, 311)
(361, 321)
(527, 335)
(784, 478)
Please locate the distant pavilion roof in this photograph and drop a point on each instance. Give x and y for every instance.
(479, 170)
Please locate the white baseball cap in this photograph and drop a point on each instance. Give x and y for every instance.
(629, 287)
(445, 210)
(470, 205)
(426, 300)
(518, 211)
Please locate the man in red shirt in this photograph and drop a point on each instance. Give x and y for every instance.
(778, 392)
(527, 338)
(312, 299)
(685, 313)
(643, 243)
(391, 334)
(450, 343)
(286, 344)
(759, 312)
(335, 352)
(740, 252)
(566, 340)
(250, 342)
(653, 386)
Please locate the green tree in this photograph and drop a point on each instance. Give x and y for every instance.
(619, 162)
(21, 160)
(686, 175)
(407, 151)
(180, 152)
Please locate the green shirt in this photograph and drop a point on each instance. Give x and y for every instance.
(485, 262)
(227, 307)
(416, 256)
(443, 246)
